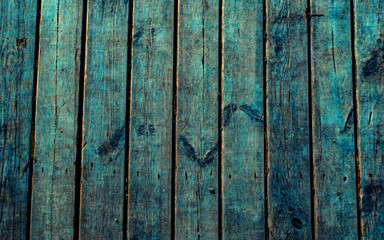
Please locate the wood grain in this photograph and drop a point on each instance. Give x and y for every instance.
(102, 206)
(56, 120)
(243, 120)
(333, 121)
(17, 44)
(197, 123)
(150, 194)
(370, 75)
(288, 126)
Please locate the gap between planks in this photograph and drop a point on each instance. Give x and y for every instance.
(80, 120)
(220, 120)
(174, 115)
(33, 125)
(128, 121)
(266, 118)
(356, 120)
(311, 123)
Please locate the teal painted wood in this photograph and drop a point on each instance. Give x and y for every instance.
(333, 121)
(56, 120)
(243, 152)
(288, 124)
(370, 75)
(17, 44)
(102, 209)
(150, 194)
(197, 124)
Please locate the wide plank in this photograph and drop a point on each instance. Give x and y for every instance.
(17, 44)
(370, 75)
(56, 120)
(243, 121)
(197, 210)
(333, 120)
(102, 206)
(150, 189)
(288, 123)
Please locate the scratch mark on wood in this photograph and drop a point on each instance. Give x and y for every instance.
(253, 113)
(349, 122)
(228, 111)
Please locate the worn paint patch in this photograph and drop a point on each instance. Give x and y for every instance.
(21, 43)
(146, 129)
(374, 64)
(137, 36)
(190, 152)
(112, 144)
(372, 193)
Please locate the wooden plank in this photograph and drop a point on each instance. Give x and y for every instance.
(243, 152)
(370, 74)
(102, 210)
(333, 121)
(150, 194)
(56, 120)
(197, 124)
(17, 44)
(288, 124)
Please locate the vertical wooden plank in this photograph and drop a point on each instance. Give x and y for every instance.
(56, 120)
(197, 124)
(334, 133)
(104, 120)
(17, 36)
(243, 152)
(370, 75)
(288, 126)
(150, 194)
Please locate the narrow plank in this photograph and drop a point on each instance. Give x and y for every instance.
(17, 36)
(370, 75)
(150, 194)
(288, 126)
(243, 152)
(102, 206)
(56, 120)
(197, 124)
(333, 107)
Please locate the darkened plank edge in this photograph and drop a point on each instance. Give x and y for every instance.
(266, 118)
(128, 121)
(174, 115)
(220, 120)
(311, 124)
(356, 119)
(33, 124)
(80, 120)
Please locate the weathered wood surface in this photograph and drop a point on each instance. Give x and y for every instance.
(56, 120)
(370, 75)
(17, 44)
(333, 120)
(150, 194)
(243, 120)
(136, 138)
(288, 123)
(197, 210)
(102, 200)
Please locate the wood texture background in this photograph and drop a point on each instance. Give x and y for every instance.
(181, 119)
